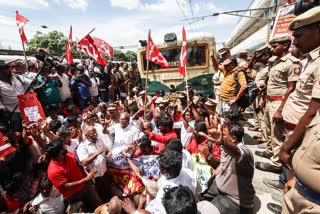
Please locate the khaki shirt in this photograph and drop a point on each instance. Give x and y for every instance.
(306, 159)
(308, 85)
(286, 69)
(262, 76)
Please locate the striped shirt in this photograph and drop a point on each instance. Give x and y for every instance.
(228, 85)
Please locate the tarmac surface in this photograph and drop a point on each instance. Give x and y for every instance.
(263, 192)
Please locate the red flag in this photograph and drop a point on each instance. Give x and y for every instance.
(68, 47)
(103, 47)
(183, 55)
(21, 21)
(154, 54)
(87, 45)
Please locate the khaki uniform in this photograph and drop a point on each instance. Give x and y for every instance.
(217, 80)
(286, 69)
(261, 81)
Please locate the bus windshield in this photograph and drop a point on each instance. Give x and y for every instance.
(196, 57)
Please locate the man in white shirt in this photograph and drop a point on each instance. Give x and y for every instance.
(92, 154)
(48, 201)
(64, 90)
(172, 174)
(10, 87)
(124, 133)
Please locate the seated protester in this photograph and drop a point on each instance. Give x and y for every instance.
(70, 109)
(114, 206)
(88, 120)
(125, 134)
(167, 133)
(70, 143)
(102, 112)
(52, 112)
(189, 118)
(136, 115)
(54, 125)
(92, 154)
(172, 174)
(232, 191)
(179, 200)
(66, 175)
(175, 144)
(199, 144)
(144, 147)
(49, 200)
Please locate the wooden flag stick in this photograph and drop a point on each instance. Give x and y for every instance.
(62, 57)
(147, 78)
(25, 55)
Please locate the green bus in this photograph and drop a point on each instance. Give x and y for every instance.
(199, 65)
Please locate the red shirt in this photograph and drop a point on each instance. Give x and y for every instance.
(193, 148)
(162, 139)
(139, 152)
(68, 171)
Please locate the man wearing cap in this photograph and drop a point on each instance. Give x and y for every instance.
(283, 76)
(302, 146)
(228, 98)
(141, 101)
(243, 58)
(259, 61)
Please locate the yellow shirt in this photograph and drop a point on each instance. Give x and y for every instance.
(228, 86)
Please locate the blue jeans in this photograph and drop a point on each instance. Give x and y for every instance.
(104, 95)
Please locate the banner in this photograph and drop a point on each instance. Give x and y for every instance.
(284, 17)
(149, 166)
(124, 181)
(30, 107)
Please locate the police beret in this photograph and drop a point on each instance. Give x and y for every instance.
(223, 50)
(309, 17)
(280, 38)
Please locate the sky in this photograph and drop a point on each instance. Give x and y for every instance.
(118, 22)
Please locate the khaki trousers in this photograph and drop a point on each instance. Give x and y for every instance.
(277, 131)
(294, 203)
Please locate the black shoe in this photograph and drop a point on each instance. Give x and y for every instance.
(268, 167)
(263, 154)
(275, 208)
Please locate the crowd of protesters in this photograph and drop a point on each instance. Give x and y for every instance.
(59, 163)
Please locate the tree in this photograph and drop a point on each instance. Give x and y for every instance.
(119, 55)
(54, 42)
(131, 56)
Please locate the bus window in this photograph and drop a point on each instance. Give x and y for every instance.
(196, 57)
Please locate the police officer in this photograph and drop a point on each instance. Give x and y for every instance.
(304, 197)
(281, 83)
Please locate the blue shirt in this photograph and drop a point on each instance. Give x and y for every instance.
(82, 90)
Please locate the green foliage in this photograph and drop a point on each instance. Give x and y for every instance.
(54, 42)
(129, 56)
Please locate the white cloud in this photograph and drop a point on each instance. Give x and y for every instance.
(128, 4)
(30, 4)
(77, 4)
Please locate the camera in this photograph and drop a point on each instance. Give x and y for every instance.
(47, 60)
(302, 6)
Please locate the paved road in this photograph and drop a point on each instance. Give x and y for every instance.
(263, 192)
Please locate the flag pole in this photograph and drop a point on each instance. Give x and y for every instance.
(65, 53)
(147, 77)
(186, 76)
(25, 55)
